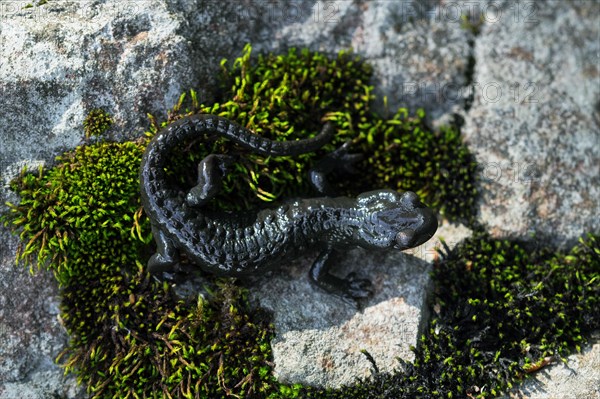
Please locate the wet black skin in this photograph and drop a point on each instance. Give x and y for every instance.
(249, 243)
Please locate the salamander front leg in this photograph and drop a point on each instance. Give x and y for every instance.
(210, 179)
(166, 255)
(338, 160)
(349, 289)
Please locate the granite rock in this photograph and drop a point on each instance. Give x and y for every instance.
(534, 125)
(319, 343)
(62, 59)
(31, 335)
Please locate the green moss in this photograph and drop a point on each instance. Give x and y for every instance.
(130, 336)
(87, 200)
(503, 310)
(96, 122)
(403, 154)
(152, 344)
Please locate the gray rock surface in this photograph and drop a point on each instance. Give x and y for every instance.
(320, 338)
(62, 59)
(31, 335)
(534, 125)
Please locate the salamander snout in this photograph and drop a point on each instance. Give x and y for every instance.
(421, 231)
(395, 220)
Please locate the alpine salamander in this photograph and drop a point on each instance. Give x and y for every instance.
(238, 244)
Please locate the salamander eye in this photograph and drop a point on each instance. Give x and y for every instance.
(410, 199)
(404, 239)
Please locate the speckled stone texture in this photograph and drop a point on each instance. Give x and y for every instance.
(31, 335)
(320, 342)
(579, 378)
(534, 125)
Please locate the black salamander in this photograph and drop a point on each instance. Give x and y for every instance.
(238, 244)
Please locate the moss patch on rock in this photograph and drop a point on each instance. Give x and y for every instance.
(129, 334)
(97, 122)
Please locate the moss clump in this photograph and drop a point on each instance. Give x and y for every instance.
(503, 311)
(152, 344)
(472, 23)
(77, 210)
(404, 154)
(96, 122)
(39, 3)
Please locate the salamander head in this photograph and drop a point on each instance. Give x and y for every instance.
(393, 220)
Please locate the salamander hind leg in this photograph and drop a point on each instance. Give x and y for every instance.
(210, 179)
(350, 289)
(166, 256)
